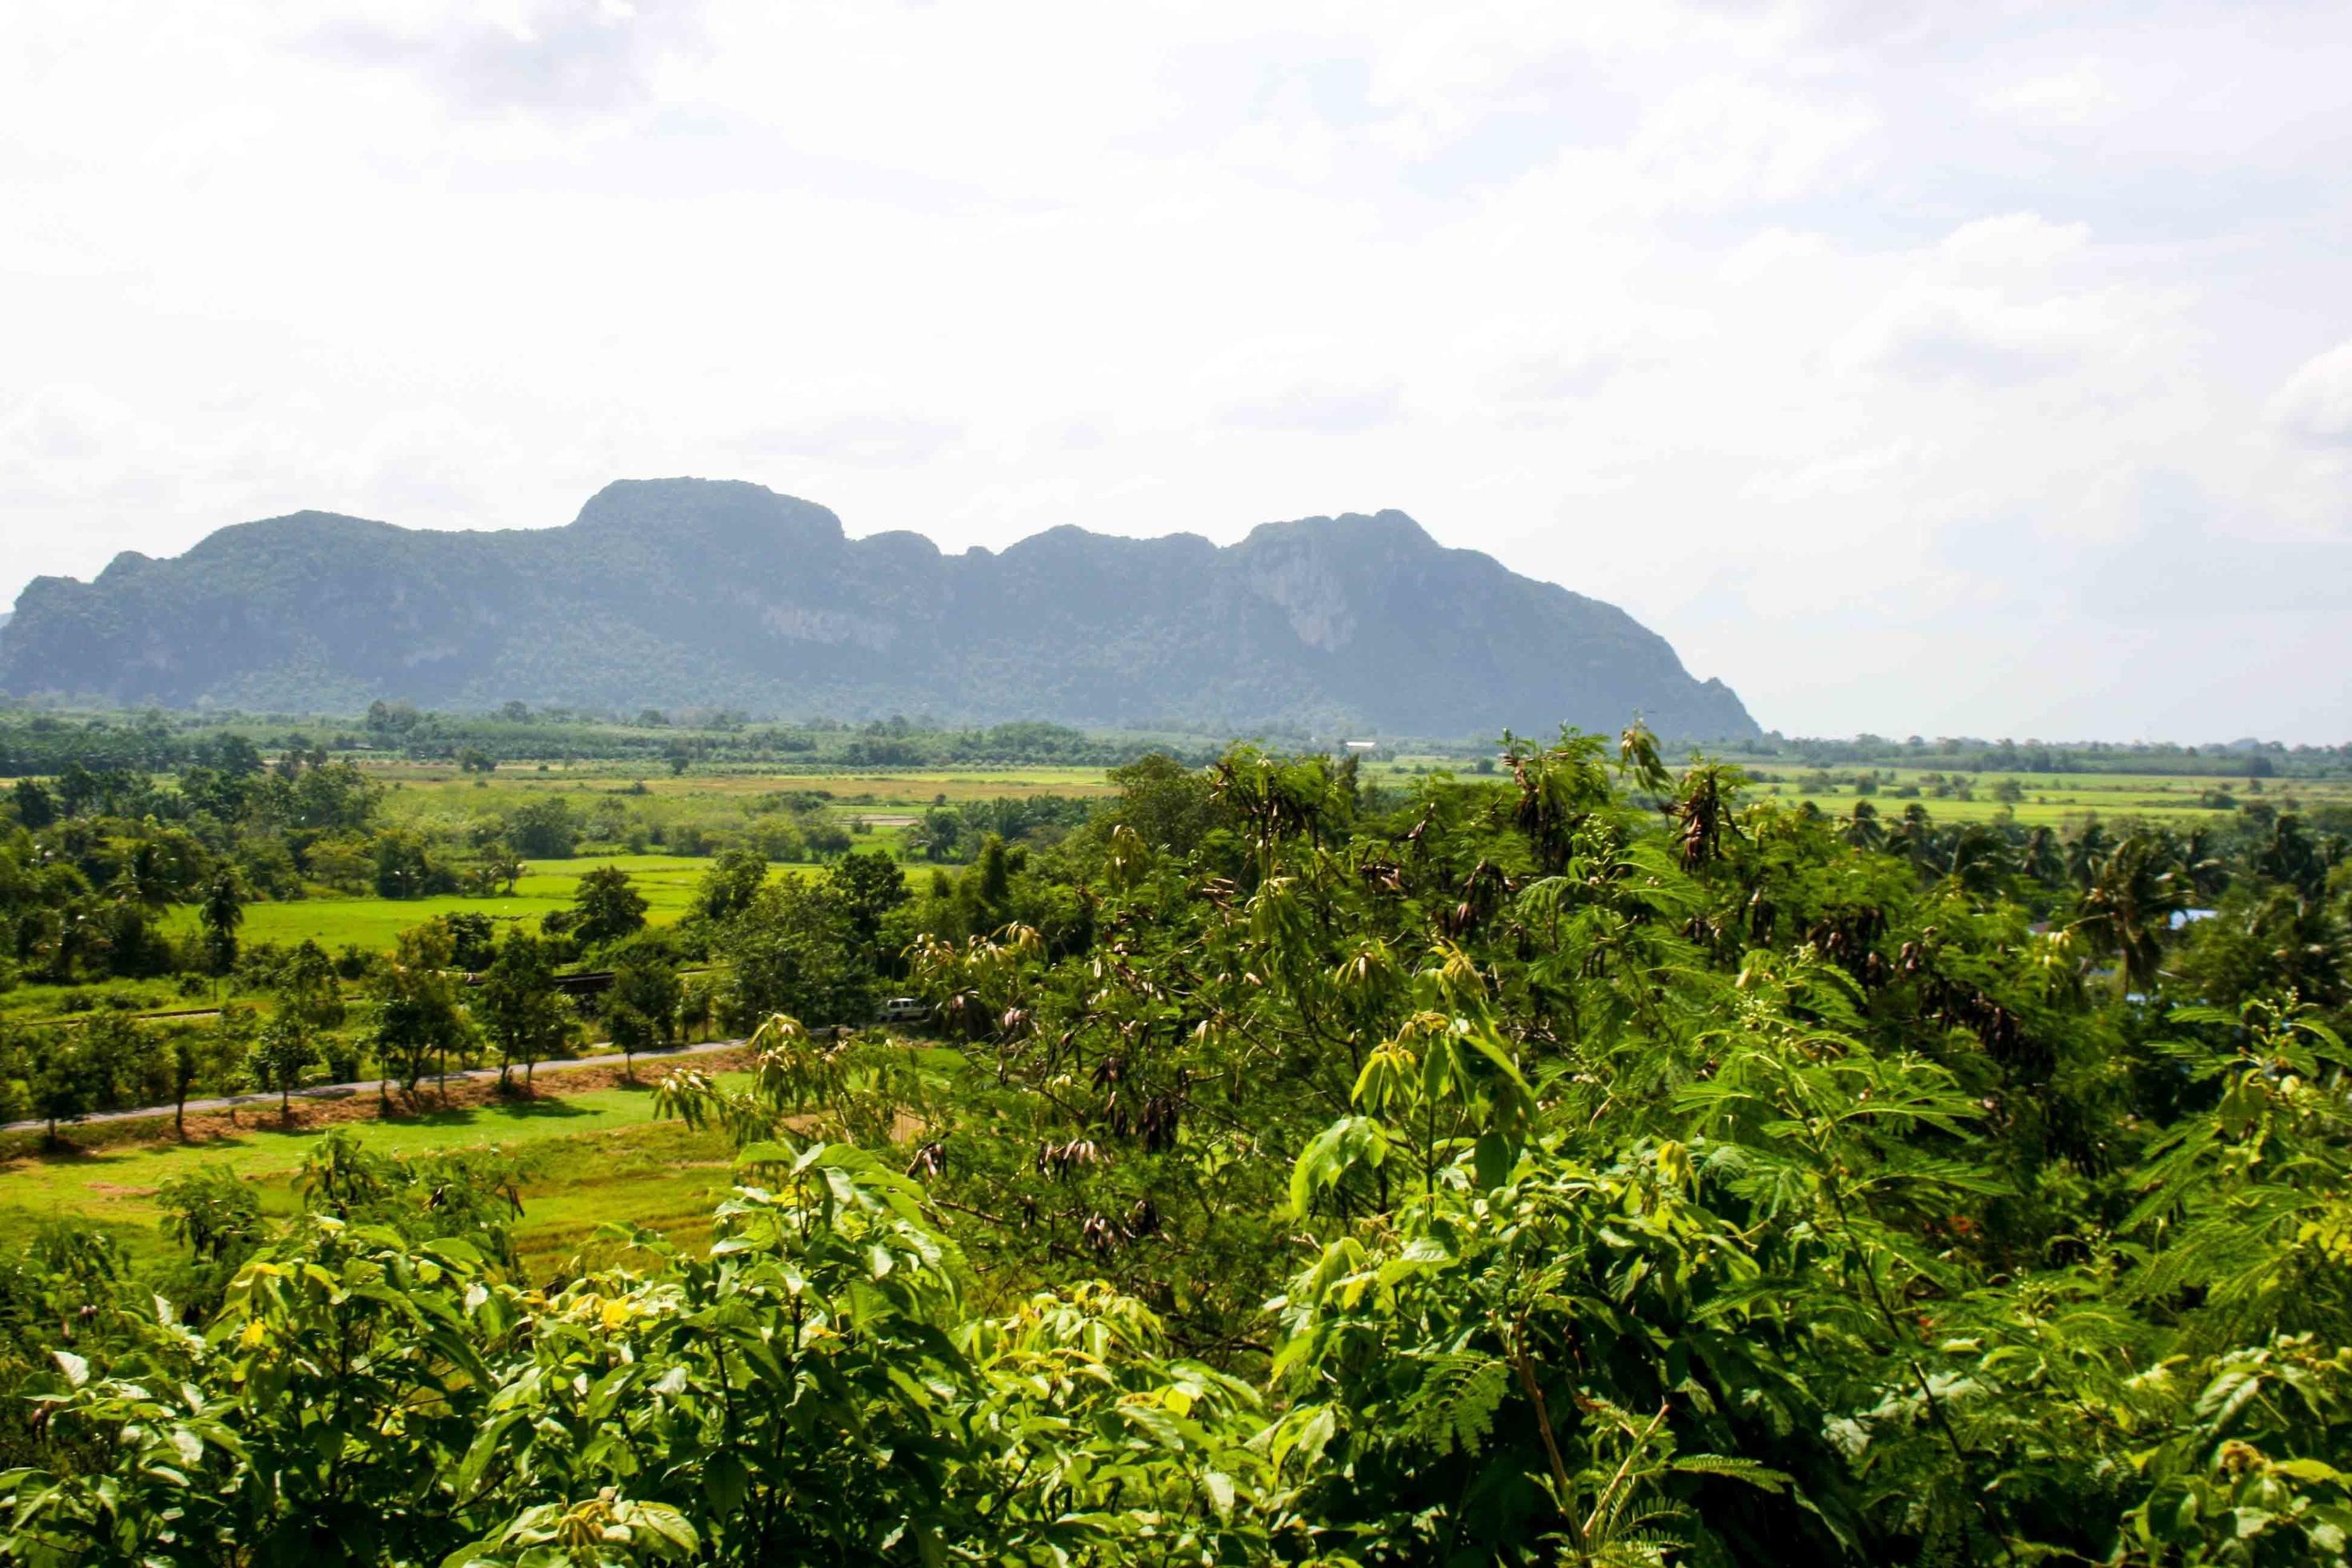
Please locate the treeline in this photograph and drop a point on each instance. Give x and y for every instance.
(2238, 760)
(691, 738)
(41, 744)
(1589, 1165)
(90, 860)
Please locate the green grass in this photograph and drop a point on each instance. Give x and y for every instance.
(45, 1001)
(419, 786)
(2052, 799)
(2059, 799)
(599, 1156)
(665, 881)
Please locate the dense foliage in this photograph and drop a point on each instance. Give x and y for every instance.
(1583, 1166)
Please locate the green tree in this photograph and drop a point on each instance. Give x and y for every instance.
(2129, 906)
(606, 907)
(306, 984)
(404, 867)
(200, 1057)
(544, 828)
(727, 889)
(418, 1017)
(794, 952)
(1169, 806)
(519, 1007)
(869, 886)
(34, 807)
(642, 1008)
(63, 1082)
(697, 1004)
(220, 913)
(500, 867)
(285, 1050)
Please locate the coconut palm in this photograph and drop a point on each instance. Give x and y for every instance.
(1980, 859)
(144, 879)
(2131, 905)
(2085, 853)
(220, 912)
(1913, 836)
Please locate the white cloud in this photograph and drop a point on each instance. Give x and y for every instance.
(1939, 331)
(2069, 100)
(2315, 406)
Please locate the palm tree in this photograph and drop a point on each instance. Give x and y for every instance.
(2040, 860)
(1913, 836)
(144, 880)
(1980, 859)
(2130, 906)
(220, 912)
(2292, 858)
(1862, 830)
(2084, 852)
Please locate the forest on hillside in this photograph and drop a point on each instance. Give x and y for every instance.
(1590, 1161)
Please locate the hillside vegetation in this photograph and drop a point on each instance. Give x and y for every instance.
(1592, 1165)
(686, 591)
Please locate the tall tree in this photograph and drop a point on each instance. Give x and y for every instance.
(36, 808)
(220, 913)
(642, 1008)
(2129, 906)
(519, 1006)
(285, 1050)
(418, 1017)
(199, 1057)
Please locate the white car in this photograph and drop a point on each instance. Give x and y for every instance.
(905, 1010)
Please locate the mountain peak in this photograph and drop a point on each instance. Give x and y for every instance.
(707, 592)
(1388, 527)
(663, 507)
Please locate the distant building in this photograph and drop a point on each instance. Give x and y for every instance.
(1361, 745)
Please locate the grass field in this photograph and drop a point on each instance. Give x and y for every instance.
(597, 1156)
(667, 882)
(442, 785)
(2055, 799)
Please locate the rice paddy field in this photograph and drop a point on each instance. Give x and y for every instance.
(665, 881)
(418, 794)
(2055, 799)
(419, 787)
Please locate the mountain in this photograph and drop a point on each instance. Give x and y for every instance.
(703, 592)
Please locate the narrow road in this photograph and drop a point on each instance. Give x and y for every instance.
(384, 1086)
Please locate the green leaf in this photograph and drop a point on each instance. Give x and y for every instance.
(1493, 1160)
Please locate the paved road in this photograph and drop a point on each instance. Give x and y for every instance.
(345, 1091)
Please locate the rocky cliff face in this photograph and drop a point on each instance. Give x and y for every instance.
(685, 592)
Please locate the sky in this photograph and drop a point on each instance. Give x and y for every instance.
(1951, 369)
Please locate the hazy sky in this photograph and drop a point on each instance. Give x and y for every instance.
(1958, 368)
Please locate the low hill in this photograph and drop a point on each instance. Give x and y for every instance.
(693, 592)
